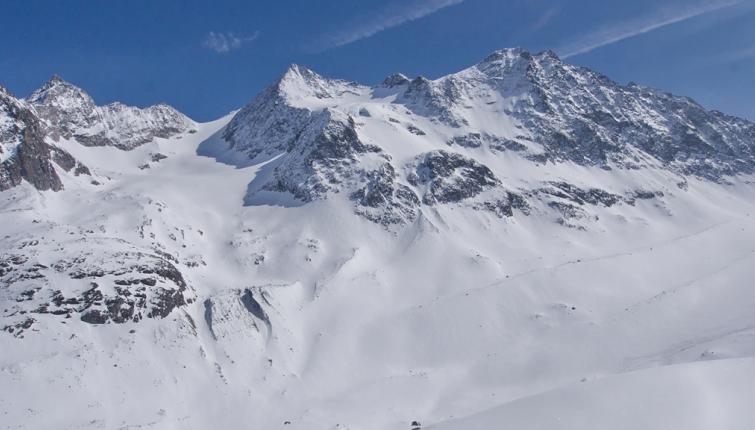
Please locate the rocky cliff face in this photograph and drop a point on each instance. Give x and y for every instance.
(24, 152)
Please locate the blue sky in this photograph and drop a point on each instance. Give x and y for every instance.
(207, 58)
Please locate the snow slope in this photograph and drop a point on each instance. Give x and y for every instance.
(702, 395)
(271, 269)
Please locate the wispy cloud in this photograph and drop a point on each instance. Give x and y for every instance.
(745, 54)
(395, 14)
(545, 18)
(223, 43)
(661, 18)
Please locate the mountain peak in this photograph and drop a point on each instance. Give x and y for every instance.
(550, 54)
(395, 80)
(506, 54)
(56, 79)
(4, 91)
(301, 83)
(296, 72)
(516, 61)
(298, 77)
(510, 56)
(58, 91)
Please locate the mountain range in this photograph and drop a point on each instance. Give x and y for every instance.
(489, 248)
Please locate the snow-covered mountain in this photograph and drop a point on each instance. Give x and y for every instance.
(410, 143)
(514, 245)
(71, 112)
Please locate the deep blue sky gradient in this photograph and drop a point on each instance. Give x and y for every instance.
(144, 51)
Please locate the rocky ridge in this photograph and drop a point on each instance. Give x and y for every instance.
(71, 113)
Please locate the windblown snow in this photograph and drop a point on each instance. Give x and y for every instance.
(523, 244)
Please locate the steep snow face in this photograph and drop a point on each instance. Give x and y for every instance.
(339, 256)
(273, 121)
(72, 113)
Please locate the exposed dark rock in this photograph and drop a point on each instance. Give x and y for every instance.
(395, 80)
(135, 296)
(572, 193)
(568, 213)
(95, 316)
(157, 157)
(253, 306)
(28, 294)
(383, 200)
(477, 140)
(632, 197)
(164, 301)
(414, 130)
(18, 328)
(67, 162)
(208, 315)
(31, 160)
(29, 155)
(449, 177)
(505, 207)
(64, 159)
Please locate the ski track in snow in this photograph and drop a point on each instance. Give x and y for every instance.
(647, 248)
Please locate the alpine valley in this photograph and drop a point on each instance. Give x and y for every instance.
(524, 244)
